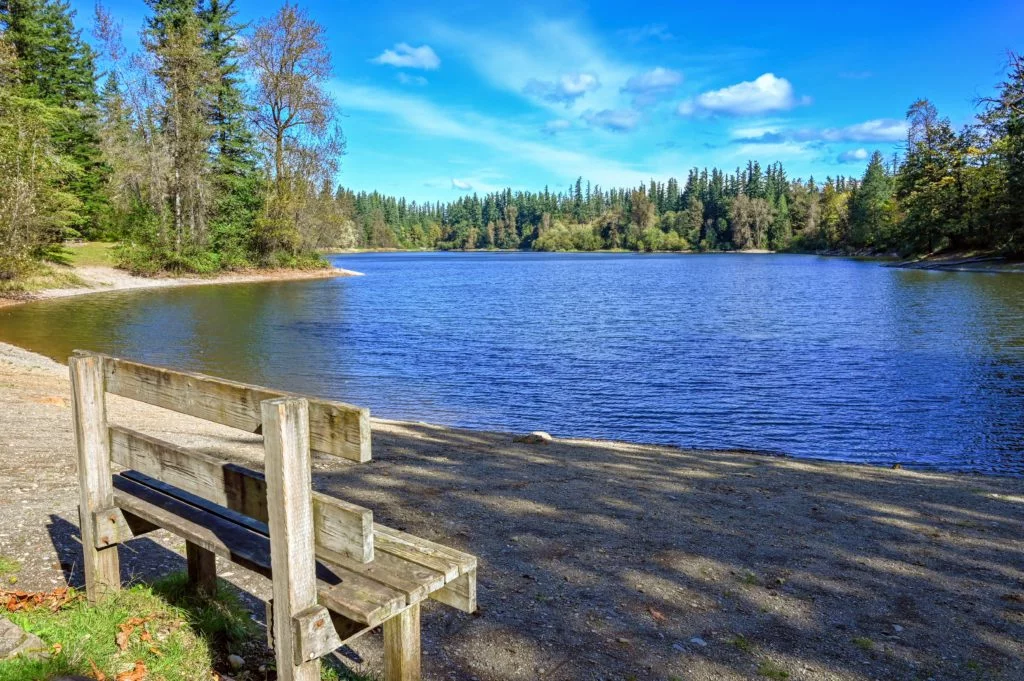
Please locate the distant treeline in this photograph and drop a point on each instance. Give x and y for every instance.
(949, 190)
(216, 146)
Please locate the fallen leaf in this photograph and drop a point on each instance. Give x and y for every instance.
(658, 617)
(100, 676)
(57, 647)
(137, 674)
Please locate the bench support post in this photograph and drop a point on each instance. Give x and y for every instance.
(290, 510)
(402, 645)
(96, 490)
(202, 569)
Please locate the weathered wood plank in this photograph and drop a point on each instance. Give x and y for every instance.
(414, 581)
(459, 593)
(434, 556)
(290, 506)
(335, 428)
(314, 634)
(113, 526)
(89, 414)
(341, 529)
(402, 646)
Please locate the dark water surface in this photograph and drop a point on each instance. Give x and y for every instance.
(807, 356)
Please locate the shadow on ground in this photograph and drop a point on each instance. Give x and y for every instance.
(611, 561)
(600, 560)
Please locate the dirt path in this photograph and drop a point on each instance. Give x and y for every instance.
(604, 560)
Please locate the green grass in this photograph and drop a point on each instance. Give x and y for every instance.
(8, 566)
(770, 670)
(90, 254)
(190, 635)
(37, 277)
(8, 570)
(87, 636)
(864, 643)
(742, 643)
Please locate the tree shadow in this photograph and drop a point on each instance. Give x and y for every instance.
(604, 560)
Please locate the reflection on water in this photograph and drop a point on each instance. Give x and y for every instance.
(808, 356)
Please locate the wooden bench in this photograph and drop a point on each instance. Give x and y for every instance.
(335, 573)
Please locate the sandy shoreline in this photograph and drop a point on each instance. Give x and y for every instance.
(609, 560)
(103, 279)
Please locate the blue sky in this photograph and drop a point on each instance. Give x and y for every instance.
(440, 99)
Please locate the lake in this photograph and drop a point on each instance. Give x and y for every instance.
(811, 357)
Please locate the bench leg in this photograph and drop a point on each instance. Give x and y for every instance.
(402, 646)
(96, 489)
(202, 569)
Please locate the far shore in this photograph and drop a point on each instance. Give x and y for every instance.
(102, 279)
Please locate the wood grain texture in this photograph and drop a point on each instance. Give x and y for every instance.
(89, 415)
(402, 646)
(341, 529)
(460, 593)
(335, 428)
(290, 507)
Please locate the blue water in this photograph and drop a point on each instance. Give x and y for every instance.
(811, 357)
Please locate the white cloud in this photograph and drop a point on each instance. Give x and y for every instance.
(461, 185)
(853, 156)
(566, 90)
(556, 126)
(877, 130)
(511, 63)
(766, 93)
(616, 120)
(425, 118)
(648, 86)
(406, 56)
(406, 79)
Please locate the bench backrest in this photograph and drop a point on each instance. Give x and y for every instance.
(339, 528)
(335, 428)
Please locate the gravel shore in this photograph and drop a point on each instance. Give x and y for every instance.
(96, 278)
(606, 560)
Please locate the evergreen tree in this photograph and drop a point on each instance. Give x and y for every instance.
(173, 36)
(871, 207)
(234, 170)
(56, 67)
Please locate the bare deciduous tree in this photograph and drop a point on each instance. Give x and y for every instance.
(297, 122)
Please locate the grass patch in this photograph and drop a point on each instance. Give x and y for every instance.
(90, 254)
(8, 566)
(84, 638)
(221, 620)
(864, 643)
(742, 643)
(770, 670)
(8, 570)
(37, 277)
(175, 634)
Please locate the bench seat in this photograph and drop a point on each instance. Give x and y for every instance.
(405, 569)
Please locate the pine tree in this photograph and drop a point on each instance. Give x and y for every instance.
(871, 207)
(56, 67)
(781, 230)
(234, 170)
(173, 36)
